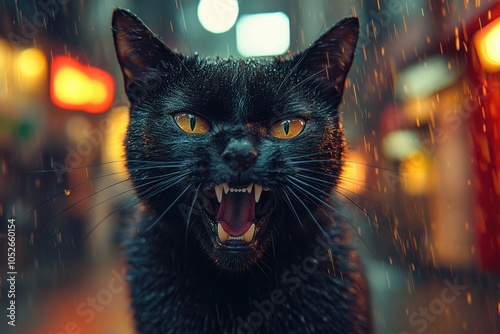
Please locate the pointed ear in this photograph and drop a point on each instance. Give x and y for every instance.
(137, 47)
(330, 57)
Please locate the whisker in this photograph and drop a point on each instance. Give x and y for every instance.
(309, 78)
(103, 189)
(293, 208)
(104, 201)
(329, 195)
(293, 69)
(341, 177)
(191, 210)
(107, 216)
(328, 205)
(73, 188)
(299, 162)
(166, 210)
(314, 179)
(364, 212)
(181, 7)
(316, 198)
(137, 198)
(308, 211)
(69, 169)
(79, 201)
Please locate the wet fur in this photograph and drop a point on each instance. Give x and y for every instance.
(179, 282)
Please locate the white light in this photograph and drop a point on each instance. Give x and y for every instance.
(399, 145)
(426, 78)
(263, 34)
(218, 16)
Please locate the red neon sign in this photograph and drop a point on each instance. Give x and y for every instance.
(75, 86)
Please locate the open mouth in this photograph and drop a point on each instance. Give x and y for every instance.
(236, 216)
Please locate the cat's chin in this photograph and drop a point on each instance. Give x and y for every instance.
(235, 220)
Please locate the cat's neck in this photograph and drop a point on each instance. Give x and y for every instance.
(176, 251)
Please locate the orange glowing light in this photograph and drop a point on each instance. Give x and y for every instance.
(487, 43)
(75, 86)
(354, 173)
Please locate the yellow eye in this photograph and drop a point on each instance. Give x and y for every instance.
(288, 128)
(191, 123)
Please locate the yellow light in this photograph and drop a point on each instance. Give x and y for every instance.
(5, 57)
(113, 149)
(31, 64)
(100, 92)
(6, 61)
(415, 170)
(487, 42)
(72, 86)
(75, 86)
(492, 45)
(353, 175)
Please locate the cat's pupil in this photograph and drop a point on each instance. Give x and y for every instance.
(286, 127)
(192, 122)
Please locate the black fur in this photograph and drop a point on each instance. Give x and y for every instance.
(302, 276)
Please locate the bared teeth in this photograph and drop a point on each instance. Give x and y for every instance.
(258, 192)
(248, 236)
(218, 192)
(223, 235)
(224, 187)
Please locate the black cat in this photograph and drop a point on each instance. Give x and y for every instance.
(233, 161)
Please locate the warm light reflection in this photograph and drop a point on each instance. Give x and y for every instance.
(487, 42)
(5, 57)
(113, 149)
(31, 63)
(75, 87)
(31, 71)
(78, 87)
(415, 170)
(353, 174)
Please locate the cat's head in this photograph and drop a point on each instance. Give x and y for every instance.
(246, 150)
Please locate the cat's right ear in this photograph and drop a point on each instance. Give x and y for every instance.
(137, 47)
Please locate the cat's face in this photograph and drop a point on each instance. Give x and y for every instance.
(243, 150)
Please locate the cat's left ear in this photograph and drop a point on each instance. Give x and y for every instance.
(137, 47)
(329, 58)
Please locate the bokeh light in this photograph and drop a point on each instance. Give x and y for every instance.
(218, 16)
(253, 35)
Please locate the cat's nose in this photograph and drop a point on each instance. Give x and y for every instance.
(239, 154)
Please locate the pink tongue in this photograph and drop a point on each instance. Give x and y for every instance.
(236, 212)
